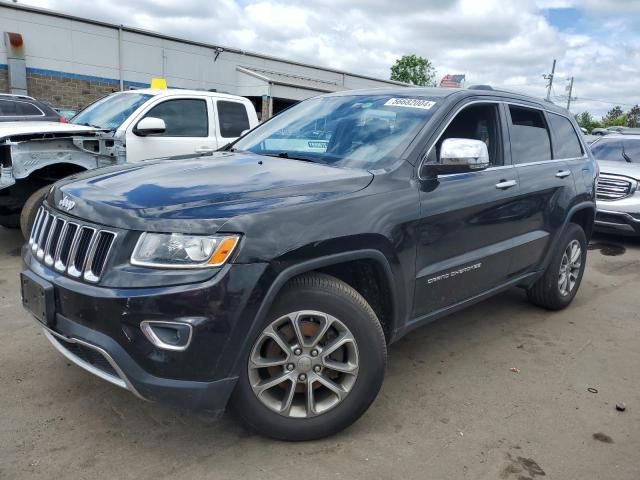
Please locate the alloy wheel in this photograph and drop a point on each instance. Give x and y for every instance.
(570, 267)
(303, 364)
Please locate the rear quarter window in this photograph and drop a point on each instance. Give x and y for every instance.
(566, 143)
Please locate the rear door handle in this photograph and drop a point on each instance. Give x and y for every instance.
(563, 173)
(504, 184)
(205, 150)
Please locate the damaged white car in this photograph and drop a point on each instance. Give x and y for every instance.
(128, 126)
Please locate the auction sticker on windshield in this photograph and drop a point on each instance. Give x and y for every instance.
(410, 103)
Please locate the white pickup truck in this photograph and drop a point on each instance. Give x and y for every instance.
(129, 126)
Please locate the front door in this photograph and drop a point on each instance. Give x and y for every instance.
(465, 233)
(190, 130)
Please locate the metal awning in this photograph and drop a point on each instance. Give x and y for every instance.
(282, 85)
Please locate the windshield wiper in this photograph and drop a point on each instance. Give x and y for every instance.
(286, 155)
(89, 125)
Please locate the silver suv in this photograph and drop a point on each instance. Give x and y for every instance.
(618, 192)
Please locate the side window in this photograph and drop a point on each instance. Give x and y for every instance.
(183, 117)
(233, 118)
(8, 108)
(566, 143)
(476, 122)
(530, 140)
(28, 110)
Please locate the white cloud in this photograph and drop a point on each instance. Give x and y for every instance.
(506, 43)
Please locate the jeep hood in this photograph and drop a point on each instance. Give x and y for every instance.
(620, 168)
(199, 194)
(39, 129)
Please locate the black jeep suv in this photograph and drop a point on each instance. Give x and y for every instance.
(273, 275)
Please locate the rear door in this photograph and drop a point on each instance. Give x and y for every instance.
(190, 129)
(547, 182)
(465, 233)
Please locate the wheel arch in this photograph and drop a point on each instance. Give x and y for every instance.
(325, 264)
(582, 214)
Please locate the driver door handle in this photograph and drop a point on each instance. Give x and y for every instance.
(563, 173)
(504, 184)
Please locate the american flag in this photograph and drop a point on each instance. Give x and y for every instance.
(452, 81)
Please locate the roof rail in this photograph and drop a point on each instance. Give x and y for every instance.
(480, 87)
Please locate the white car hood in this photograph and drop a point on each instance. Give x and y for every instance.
(12, 129)
(620, 168)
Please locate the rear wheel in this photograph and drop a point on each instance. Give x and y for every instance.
(316, 365)
(559, 284)
(30, 208)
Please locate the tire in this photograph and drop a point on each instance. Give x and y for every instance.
(322, 300)
(548, 291)
(30, 208)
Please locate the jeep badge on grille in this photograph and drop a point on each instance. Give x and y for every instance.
(66, 203)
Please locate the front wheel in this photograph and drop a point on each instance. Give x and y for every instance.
(316, 365)
(30, 208)
(559, 284)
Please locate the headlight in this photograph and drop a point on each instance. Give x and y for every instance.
(175, 250)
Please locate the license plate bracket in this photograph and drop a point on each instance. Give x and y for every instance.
(38, 298)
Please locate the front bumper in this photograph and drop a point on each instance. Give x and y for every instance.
(98, 329)
(611, 221)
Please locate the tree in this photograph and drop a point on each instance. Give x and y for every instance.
(586, 120)
(633, 117)
(615, 117)
(414, 70)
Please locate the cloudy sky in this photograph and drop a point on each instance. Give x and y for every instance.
(508, 43)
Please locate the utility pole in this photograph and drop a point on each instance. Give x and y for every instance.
(570, 92)
(550, 78)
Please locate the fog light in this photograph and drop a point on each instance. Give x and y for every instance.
(174, 336)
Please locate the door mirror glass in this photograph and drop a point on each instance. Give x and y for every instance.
(459, 155)
(150, 126)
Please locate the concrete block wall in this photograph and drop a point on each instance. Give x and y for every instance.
(67, 92)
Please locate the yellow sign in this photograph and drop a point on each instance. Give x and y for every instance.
(158, 84)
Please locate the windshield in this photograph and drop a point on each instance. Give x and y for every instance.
(617, 149)
(109, 112)
(359, 131)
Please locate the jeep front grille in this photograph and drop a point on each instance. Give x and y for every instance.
(613, 188)
(78, 250)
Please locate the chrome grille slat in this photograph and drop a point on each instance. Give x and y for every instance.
(44, 236)
(36, 225)
(80, 251)
(614, 188)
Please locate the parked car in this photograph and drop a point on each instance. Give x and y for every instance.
(607, 131)
(273, 275)
(618, 193)
(21, 108)
(125, 127)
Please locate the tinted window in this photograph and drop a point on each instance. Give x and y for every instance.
(529, 136)
(8, 107)
(617, 150)
(233, 119)
(566, 143)
(183, 117)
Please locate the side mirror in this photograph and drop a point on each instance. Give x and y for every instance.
(459, 155)
(150, 126)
